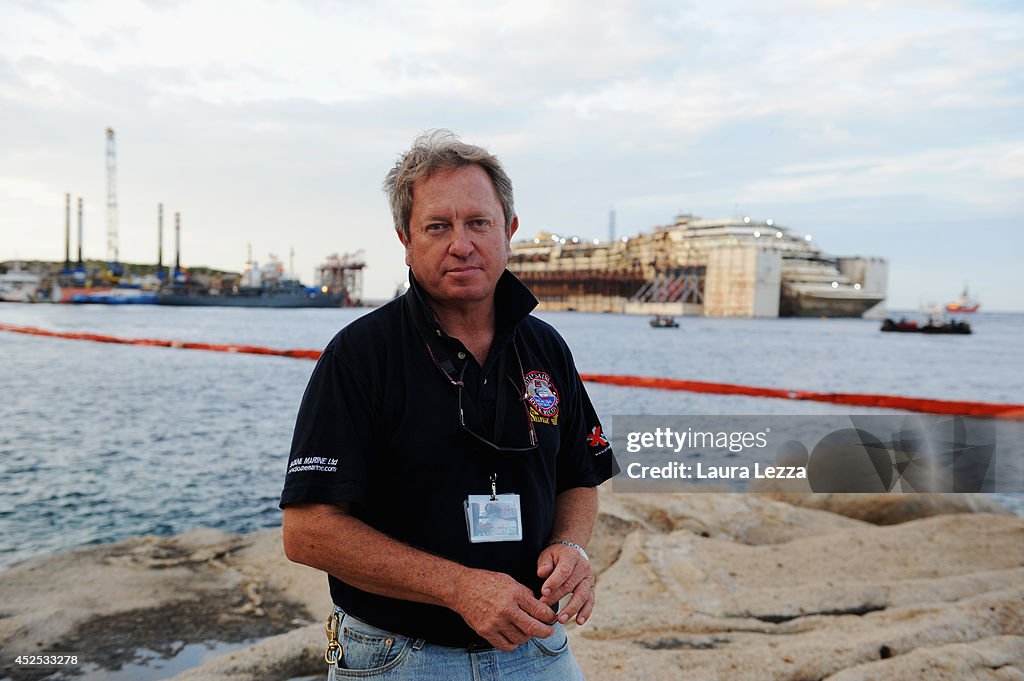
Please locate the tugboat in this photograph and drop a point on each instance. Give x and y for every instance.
(963, 304)
(659, 321)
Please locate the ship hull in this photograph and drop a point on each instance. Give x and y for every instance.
(117, 296)
(67, 293)
(17, 297)
(113, 300)
(266, 301)
(802, 304)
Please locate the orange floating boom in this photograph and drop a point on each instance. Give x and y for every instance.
(163, 343)
(1013, 412)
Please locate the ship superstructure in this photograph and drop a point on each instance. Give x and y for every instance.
(18, 286)
(723, 267)
(963, 304)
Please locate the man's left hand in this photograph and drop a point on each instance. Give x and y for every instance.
(565, 571)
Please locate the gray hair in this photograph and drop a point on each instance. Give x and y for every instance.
(437, 150)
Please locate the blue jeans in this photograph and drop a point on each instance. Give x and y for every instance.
(372, 653)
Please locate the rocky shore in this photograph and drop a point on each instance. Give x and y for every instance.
(779, 586)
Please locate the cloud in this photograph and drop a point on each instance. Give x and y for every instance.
(985, 176)
(278, 122)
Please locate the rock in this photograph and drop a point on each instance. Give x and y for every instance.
(884, 509)
(157, 592)
(743, 518)
(690, 586)
(997, 658)
(298, 653)
(681, 606)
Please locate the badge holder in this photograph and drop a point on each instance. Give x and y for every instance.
(493, 517)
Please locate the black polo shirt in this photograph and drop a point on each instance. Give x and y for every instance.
(378, 427)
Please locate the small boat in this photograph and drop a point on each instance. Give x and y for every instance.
(933, 326)
(963, 304)
(905, 325)
(660, 321)
(18, 286)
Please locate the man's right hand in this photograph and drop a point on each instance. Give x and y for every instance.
(500, 609)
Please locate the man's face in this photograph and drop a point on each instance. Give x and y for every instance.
(457, 246)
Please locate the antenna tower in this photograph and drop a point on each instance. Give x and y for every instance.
(112, 255)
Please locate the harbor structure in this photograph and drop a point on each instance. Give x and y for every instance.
(160, 240)
(80, 261)
(730, 267)
(112, 251)
(177, 247)
(67, 232)
(343, 275)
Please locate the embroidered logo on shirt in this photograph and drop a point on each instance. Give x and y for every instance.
(541, 394)
(595, 439)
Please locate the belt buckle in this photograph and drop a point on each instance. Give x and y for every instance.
(479, 647)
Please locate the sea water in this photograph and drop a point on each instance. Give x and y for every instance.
(99, 442)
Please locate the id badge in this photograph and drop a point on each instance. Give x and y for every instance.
(498, 519)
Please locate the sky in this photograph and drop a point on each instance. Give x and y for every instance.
(892, 129)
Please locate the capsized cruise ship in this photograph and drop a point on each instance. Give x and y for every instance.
(731, 267)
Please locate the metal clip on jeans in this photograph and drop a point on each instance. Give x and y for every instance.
(333, 653)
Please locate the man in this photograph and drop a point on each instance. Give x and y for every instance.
(445, 456)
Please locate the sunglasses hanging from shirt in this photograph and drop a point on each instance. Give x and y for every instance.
(491, 517)
(449, 372)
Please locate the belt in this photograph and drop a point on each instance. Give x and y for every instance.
(479, 647)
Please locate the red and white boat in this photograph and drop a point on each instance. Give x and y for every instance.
(964, 303)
